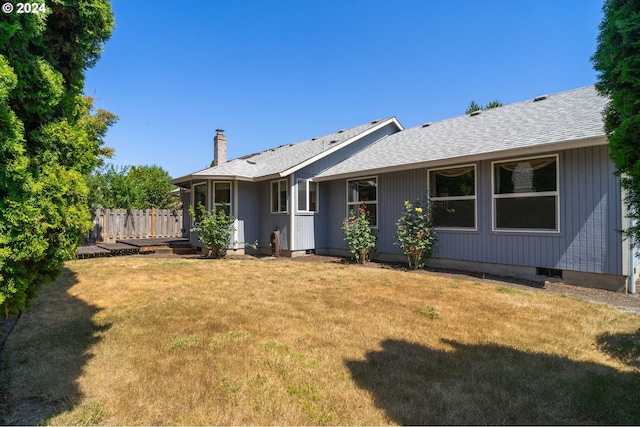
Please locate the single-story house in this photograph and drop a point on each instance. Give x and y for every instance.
(524, 190)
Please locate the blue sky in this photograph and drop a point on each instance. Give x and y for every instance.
(279, 72)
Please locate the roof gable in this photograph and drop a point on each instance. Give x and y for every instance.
(286, 159)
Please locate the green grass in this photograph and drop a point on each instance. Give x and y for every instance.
(430, 312)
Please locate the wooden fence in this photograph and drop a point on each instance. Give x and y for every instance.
(110, 225)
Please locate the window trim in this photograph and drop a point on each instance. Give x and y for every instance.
(359, 202)
(495, 197)
(474, 197)
(286, 189)
(307, 194)
(215, 204)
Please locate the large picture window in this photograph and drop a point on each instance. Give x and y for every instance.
(307, 196)
(453, 197)
(279, 196)
(363, 191)
(222, 197)
(526, 195)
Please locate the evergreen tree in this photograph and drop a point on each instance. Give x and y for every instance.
(493, 104)
(50, 140)
(474, 106)
(617, 61)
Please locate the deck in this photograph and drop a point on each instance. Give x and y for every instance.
(170, 245)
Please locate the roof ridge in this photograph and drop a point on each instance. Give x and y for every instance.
(502, 107)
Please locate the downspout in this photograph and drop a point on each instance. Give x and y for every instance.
(627, 248)
(235, 211)
(292, 203)
(631, 285)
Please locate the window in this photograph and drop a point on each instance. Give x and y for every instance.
(199, 199)
(363, 191)
(279, 196)
(525, 194)
(222, 197)
(307, 196)
(453, 197)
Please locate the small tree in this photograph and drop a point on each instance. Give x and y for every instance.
(214, 230)
(415, 234)
(359, 235)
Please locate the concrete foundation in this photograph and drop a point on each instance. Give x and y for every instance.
(610, 282)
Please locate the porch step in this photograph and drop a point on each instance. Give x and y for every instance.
(182, 248)
(180, 245)
(185, 251)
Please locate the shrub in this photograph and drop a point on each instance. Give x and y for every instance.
(359, 235)
(415, 234)
(214, 230)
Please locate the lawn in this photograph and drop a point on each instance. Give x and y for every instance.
(166, 341)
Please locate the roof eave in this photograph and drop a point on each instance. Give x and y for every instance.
(193, 177)
(182, 179)
(491, 155)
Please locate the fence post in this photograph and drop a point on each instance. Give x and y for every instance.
(153, 222)
(104, 226)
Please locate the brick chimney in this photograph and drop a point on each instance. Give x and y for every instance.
(219, 148)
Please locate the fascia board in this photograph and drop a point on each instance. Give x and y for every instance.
(492, 155)
(269, 177)
(186, 178)
(220, 177)
(340, 146)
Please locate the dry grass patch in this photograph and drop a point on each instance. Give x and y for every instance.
(134, 340)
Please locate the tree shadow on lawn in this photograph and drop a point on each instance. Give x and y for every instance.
(45, 354)
(493, 384)
(624, 347)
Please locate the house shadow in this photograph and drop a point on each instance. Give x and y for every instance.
(462, 384)
(45, 354)
(624, 347)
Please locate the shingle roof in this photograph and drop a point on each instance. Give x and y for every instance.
(568, 116)
(286, 157)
